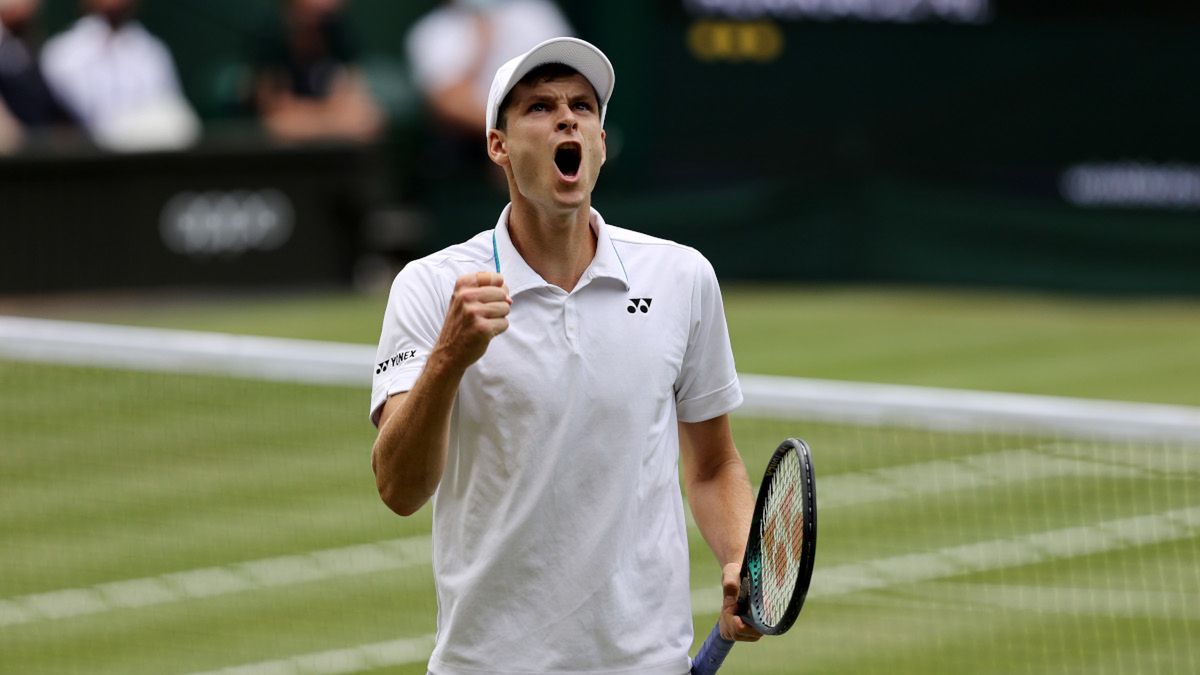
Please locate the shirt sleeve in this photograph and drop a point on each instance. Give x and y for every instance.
(707, 386)
(413, 319)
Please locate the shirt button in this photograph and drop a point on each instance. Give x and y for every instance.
(570, 319)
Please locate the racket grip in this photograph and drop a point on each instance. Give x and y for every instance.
(712, 653)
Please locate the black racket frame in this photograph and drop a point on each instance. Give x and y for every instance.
(750, 599)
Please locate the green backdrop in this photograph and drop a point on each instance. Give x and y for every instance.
(925, 152)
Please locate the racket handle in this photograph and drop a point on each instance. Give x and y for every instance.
(712, 653)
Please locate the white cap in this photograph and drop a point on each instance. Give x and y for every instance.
(582, 56)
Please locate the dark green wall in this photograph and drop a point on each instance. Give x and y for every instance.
(927, 152)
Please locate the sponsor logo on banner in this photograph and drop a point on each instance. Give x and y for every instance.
(226, 223)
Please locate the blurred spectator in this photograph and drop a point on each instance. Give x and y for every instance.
(307, 86)
(10, 131)
(119, 80)
(26, 104)
(455, 49)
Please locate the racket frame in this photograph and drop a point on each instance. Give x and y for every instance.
(715, 648)
(750, 595)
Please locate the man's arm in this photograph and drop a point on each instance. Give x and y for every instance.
(348, 111)
(10, 131)
(409, 454)
(457, 102)
(722, 502)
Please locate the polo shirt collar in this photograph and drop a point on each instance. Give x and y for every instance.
(519, 276)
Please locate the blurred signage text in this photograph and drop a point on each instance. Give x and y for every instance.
(881, 11)
(757, 41)
(202, 224)
(1132, 185)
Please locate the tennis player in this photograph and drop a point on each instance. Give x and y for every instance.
(540, 382)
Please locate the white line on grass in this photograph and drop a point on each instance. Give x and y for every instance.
(896, 482)
(387, 654)
(1115, 602)
(1029, 549)
(968, 472)
(337, 661)
(396, 554)
(952, 561)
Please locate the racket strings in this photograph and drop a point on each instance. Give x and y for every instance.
(782, 538)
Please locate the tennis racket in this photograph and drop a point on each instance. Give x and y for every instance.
(778, 564)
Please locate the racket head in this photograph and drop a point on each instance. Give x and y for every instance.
(778, 564)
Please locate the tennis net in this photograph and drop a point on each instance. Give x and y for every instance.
(180, 502)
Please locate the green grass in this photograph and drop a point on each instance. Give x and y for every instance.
(109, 476)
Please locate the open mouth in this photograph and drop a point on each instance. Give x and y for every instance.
(567, 158)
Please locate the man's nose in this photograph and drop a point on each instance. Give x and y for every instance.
(568, 121)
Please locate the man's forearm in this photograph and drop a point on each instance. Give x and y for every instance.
(410, 452)
(722, 502)
(723, 506)
(414, 430)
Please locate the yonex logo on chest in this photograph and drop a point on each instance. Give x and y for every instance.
(639, 304)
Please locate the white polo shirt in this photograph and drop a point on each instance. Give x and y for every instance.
(559, 541)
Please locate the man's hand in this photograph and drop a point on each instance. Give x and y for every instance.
(732, 626)
(410, 456)
(478, 312)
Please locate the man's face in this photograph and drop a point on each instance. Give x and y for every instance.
(553, 144)
(16, 14)
(314, 11)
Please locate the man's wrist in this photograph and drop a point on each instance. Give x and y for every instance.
(444, 368)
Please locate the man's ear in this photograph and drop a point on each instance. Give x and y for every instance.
(497, 147)
(603, 146)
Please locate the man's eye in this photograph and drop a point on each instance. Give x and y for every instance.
(583, 105)
(538, 107)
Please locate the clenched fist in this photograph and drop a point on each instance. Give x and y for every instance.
(478, 312)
